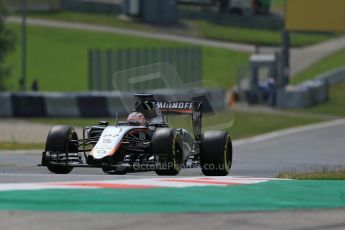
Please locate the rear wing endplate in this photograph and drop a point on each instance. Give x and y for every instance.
(193, 108)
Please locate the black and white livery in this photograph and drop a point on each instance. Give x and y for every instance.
(144, 142)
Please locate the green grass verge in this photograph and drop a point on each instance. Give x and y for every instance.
(329, 63)
(251, 124)
(278, 5)
(57, 58)
(336, 104)
(257, 36)
(320, 174)
(203, 28)
(334, 107)
(244, 124)
(19, 146)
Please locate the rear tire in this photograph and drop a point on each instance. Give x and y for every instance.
(167, 149)
(58, 140)
(216, 153)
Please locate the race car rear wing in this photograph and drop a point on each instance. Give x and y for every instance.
(194, 108)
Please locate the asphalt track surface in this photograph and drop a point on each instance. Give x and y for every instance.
(299, 220)
(265, 156)
(300, 149)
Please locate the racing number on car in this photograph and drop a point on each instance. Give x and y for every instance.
(106, 141)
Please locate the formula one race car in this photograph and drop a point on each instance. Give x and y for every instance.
(144, 142)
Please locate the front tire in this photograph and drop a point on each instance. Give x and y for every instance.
(216, 153)
(167, 149)
(58, 140)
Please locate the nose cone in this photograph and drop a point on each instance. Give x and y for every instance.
(107, 160)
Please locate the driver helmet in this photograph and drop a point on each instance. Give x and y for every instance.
(136, 119)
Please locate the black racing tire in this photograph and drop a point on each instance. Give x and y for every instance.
(58, 140)
(216, 153)
(167, 149)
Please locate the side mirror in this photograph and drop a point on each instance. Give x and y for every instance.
(103, 123)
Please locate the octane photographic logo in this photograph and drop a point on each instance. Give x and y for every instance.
(171, 92)
(164, 166)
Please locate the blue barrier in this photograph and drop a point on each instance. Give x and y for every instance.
(92, 106)
(28, 105)
(97, 104)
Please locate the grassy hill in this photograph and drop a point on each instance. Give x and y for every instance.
(57, 58)
(202, 28)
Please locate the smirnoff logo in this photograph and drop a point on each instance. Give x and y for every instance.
(175, 105)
